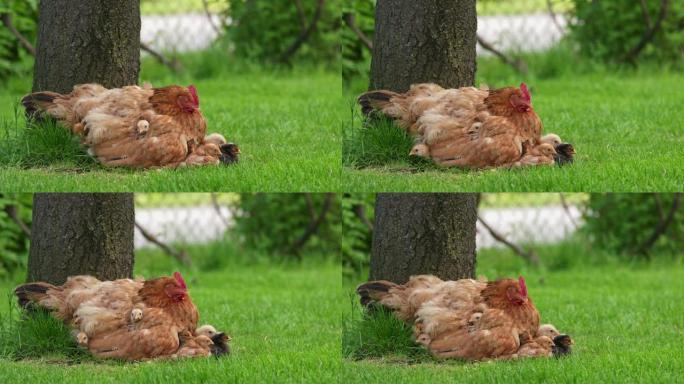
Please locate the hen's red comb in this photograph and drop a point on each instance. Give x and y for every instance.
(526, 92)
(523, 287)
(193, 92)
(179, 279)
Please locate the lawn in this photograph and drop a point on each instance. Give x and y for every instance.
(284, 321)
(625, 320)
(286, 123)
(625, 126)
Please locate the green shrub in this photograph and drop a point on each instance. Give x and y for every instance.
(608, 30)
(274, 223)
(15, 60)
(623, 223)
(14, 242)
(264, 30)
(355, 55)
(357, 235)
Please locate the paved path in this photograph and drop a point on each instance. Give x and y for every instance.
(201, 224)
(191, 32)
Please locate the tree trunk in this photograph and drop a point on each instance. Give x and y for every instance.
(94, 41)
(424, 233)
(81, 233)
(427, 41)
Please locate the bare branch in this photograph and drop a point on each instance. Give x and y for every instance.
(179, 255)
(517, 64)
(659, 206)
(567, 210)
(13, 213)
(554, 17)
(662, 225)
(217, 208)
(7, 21)
(530, 256)
(211, 21)
(304, 36)
(310, 206)
(173, 64)
(649, 34)
(315, 224)
(644, 12)
(360, 212)
(350, 19)
(301, 14)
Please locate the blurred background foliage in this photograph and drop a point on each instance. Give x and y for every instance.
(288, 224)
(626, 223)
(608, 30)
(205, 231)
(15, 218)
(219, 230)
(263, 33)
(264, 30)
(15, 59)
(610, 228)
(594, 35)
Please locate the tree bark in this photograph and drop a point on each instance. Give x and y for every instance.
(81, 233)
(95, 41)
(423, 41)
(424, 233)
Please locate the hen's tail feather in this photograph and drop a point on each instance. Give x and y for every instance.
(37, 102)
(376, 101)
(33, 293)
(374, 291)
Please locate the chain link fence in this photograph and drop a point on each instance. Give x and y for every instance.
(506, 25)
(178, 26)
(180, 219)
(521, 25)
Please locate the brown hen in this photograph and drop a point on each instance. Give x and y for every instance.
(465, 127)
(467, 319)
(127, 319)
(132, 126)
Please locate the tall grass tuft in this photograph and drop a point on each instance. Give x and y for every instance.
(34, 334)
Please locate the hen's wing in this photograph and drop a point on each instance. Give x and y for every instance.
(398, 105)
(91, 110)
(154, 336)
(166, 147)
(495, 143)
(62, 300)
(406, 300)
(493, 336)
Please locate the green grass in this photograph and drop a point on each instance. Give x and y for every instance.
(515, 7)
(286, 123)
(625, 126)
(166, 7)
(284, 320)
(623, 317)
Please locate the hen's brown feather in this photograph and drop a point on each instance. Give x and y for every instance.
(468, 319)
(107, 121)
(465, 127)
